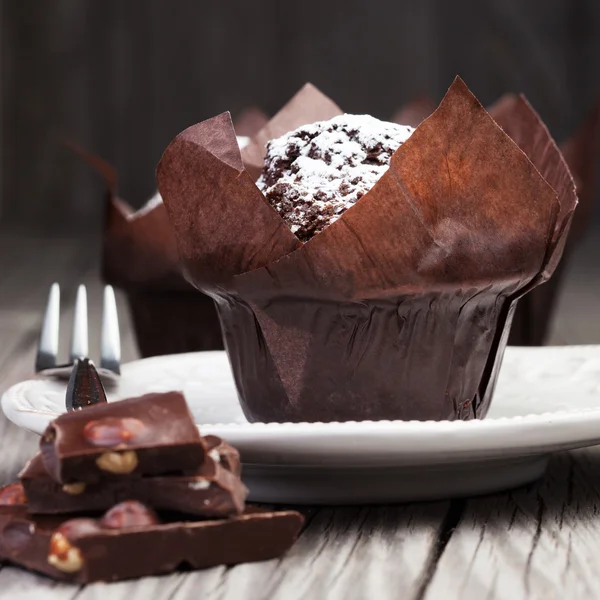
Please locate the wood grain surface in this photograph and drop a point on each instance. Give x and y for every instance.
(538, 542)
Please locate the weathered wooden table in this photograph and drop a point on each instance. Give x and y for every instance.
(542, 541)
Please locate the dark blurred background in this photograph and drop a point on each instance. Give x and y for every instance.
(123, 78)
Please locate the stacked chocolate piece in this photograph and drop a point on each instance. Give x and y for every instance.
(129, 489)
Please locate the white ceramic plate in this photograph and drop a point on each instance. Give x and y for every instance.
(547, 399)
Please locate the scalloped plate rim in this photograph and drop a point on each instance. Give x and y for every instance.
(290, 434)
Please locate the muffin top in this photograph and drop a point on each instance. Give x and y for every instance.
(313, 174)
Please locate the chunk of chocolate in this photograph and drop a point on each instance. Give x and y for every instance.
(85, 550)
(212, 492)
(223, 453)
(154, 434)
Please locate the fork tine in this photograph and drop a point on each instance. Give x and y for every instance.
(110, 350)
(48, 345)
(79, 336)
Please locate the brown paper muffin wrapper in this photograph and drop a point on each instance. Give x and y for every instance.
(533, 314)
(400, 309)
(307, 106)
(139, 256)
(250, 121)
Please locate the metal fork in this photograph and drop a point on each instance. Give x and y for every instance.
(110, 349)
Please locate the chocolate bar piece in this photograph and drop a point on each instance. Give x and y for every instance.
(213, 492)
(129, 541)
(223, 453)
(154, 434)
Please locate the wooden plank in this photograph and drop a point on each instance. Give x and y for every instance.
(358, 552)
(36, 263)
(537, 542)
(147, 588)
(27, 267)
(17, 584)
(343, 553)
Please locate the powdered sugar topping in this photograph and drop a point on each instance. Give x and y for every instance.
(314, 174)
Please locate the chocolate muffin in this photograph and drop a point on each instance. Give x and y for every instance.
(401, 308)
(313, 174)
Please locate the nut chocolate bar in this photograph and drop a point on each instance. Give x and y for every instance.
(213, 492)
(154, 434)
(223, 453)
(85, 550)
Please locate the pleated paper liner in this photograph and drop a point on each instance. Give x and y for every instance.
(400, 309)
(309, 105)
(250, 121)
(533, 313)
(140, 257)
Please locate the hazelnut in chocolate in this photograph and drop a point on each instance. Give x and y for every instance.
(12, 494)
